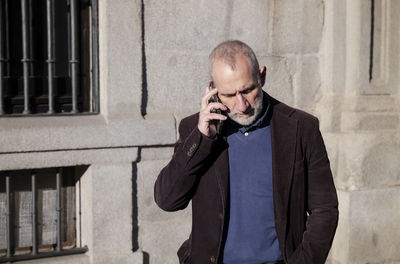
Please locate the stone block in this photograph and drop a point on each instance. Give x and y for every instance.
(200, 25)
(147, 172)
(176, 81)
(107, 224)
(370, 103)
(112, 209)
(355, 121)
(34, 160)
(297, 26)
(158, 153)
(341, 243)
(369, 160)
(331, 141)
(333, 48)
(131, 258)
(279, 80)
(328, 110)
(72, 259)
(307, 81)
(71, 132)
(379, 122)
(190, 26)
(160, 233)
(120, 44)
(162, 239)
(380, 165)
(250, 21)
(153, 130)
(375, 218)
(181, 115)
(368, 229)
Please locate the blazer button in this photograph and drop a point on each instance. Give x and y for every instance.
(212, 259)
(221, 216)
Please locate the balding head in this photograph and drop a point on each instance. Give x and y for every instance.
(228, 51)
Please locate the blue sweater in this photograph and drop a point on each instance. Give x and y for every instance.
(251, 236)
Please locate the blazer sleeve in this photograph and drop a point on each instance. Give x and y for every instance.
(176, 182)
(321, 204)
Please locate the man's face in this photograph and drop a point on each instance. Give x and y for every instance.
(238, 90)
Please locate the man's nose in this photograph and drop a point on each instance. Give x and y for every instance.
(241, 103)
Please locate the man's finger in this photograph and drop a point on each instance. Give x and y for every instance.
(214, 116)
(206, 98)
(215, 106)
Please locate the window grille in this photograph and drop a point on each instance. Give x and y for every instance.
(48, 57)
(38, 213)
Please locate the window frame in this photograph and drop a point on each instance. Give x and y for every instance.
(93, 72)
(60, 184)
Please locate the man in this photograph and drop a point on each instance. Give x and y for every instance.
(261, 189)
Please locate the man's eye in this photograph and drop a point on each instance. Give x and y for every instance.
(248, 90)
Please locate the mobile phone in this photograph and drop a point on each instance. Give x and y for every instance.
(215, 98)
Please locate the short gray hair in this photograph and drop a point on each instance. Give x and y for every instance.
(227, 51)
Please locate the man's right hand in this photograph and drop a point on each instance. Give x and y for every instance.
(207, 119)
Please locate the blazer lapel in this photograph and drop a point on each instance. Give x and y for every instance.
(283, 139)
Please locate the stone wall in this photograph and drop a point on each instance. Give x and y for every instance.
(360, 53)
(153, 71)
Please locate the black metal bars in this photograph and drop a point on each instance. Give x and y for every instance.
(34, 213)
(68, 83)
(95, 58)
(26, 61)
(9, 216)
(2, 41)
(45, 254)
(50, 53)
(12, 252)
(4, 49)
(74, 61)
(58, 209)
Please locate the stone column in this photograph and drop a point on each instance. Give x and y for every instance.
(364, 126)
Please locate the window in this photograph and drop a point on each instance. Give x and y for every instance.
(49, 61)
(38, 213)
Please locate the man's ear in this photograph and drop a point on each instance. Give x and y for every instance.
(263, 73)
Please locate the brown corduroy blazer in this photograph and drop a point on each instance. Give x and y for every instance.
(305, 200)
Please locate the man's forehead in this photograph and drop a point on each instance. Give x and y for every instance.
(222, 67)
(232, 62)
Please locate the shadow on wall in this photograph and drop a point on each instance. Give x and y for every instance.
(146, 258)
(143, 106)
(135, 224)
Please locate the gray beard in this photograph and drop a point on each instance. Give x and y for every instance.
(248, 120)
